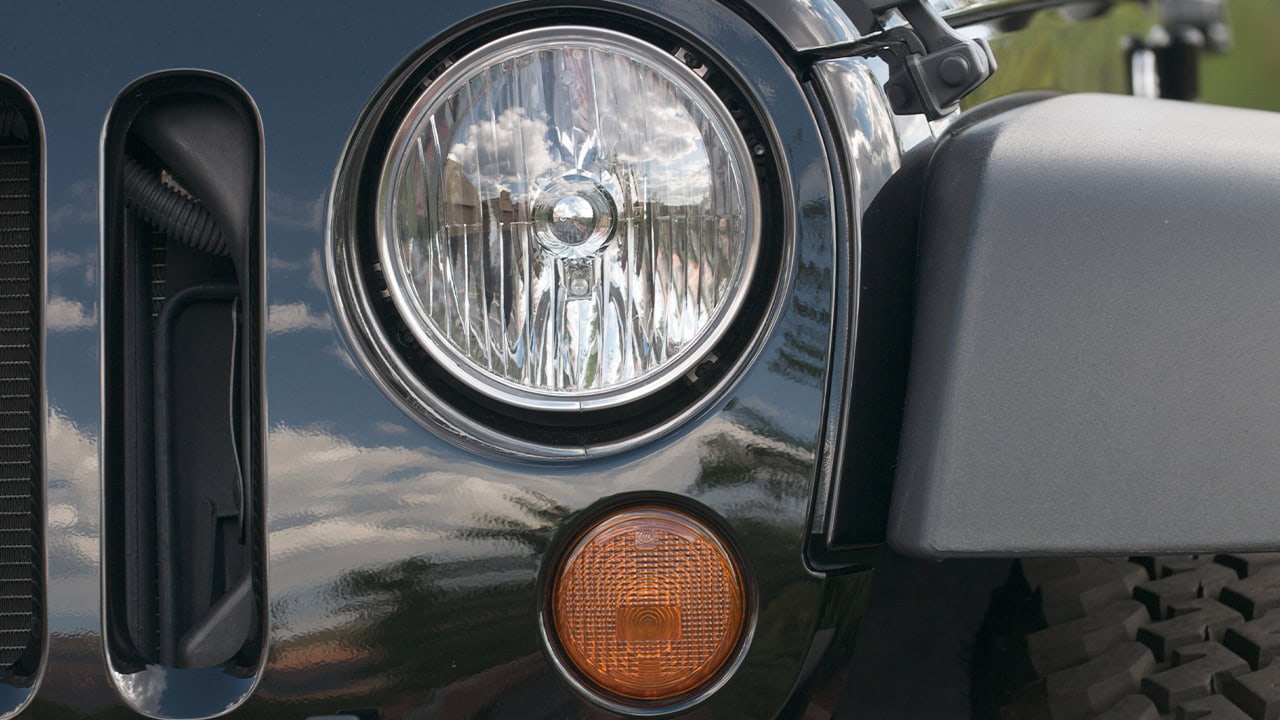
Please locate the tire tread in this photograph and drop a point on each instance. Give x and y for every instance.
(1154, 638)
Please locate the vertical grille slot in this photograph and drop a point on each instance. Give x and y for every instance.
(21, 396)
(182, 304)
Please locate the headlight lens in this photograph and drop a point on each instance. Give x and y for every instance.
(568, 218)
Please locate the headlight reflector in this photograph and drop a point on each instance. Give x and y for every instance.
(568, 218)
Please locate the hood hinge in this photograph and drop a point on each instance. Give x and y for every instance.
(934, 67)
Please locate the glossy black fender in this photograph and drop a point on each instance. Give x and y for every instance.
(403, 569)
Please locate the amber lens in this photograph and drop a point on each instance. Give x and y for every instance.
(648, 605)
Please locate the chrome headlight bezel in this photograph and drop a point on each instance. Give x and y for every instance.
(413, 377)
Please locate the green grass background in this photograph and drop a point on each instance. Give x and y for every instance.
(1248, 76)
(1059, 54)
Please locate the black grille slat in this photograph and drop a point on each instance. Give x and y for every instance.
(20, 406)
(159, 272)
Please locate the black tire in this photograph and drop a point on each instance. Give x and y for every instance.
(1142, 638)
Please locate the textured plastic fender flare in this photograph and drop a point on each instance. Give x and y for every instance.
(1096, 355)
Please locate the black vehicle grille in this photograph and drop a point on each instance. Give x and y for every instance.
(20, 399)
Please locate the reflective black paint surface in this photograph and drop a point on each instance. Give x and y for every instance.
(402, 569)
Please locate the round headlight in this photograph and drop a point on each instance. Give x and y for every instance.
(568, 218)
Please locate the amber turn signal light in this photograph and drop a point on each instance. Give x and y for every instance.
(648, 606)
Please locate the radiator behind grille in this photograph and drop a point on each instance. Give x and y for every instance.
(21, 417)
